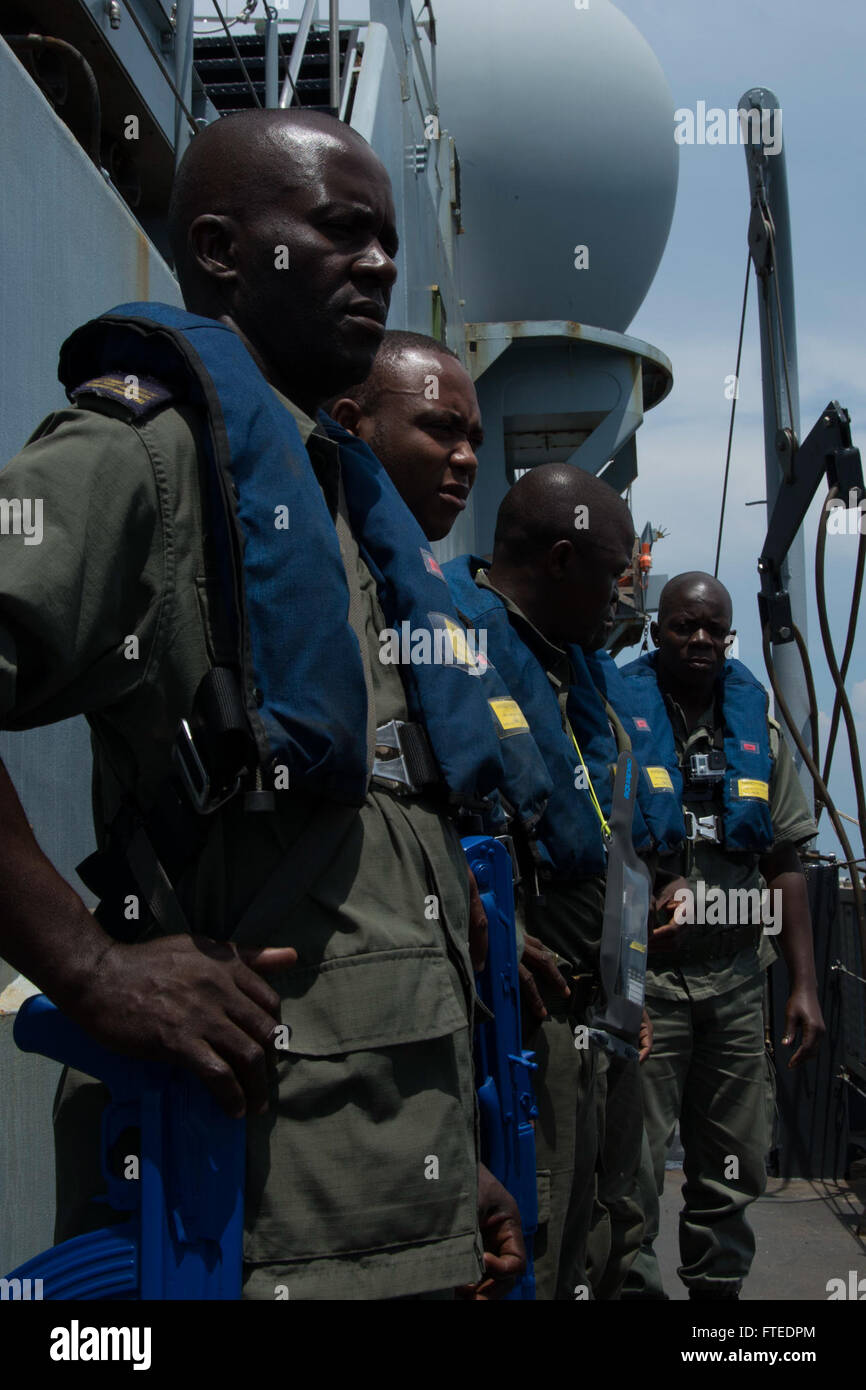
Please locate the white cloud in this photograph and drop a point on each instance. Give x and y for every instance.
(857, 697)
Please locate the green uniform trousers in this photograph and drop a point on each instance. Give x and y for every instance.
(707, 1069)
(617, 1221)
(566, 1141)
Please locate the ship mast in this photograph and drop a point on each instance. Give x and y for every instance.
(770, 249)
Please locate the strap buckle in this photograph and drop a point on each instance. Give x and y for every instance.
(707, 829)
(403, 760)
(194, 775)
(508, 842)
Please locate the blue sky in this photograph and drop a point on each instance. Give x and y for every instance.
(812, 57)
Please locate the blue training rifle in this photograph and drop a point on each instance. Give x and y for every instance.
(183, 1190)
(503, 1070)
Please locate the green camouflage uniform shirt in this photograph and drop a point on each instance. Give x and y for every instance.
(344, 1198)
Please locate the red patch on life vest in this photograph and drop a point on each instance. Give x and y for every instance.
(431, 565)
(749, 747)
(641, 724)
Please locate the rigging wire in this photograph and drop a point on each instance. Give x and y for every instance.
(241, 18)
(237, 52)
(838, 680)
(733, 413)
(820, 785)
(813, 706)
(822, 795)
(849, 639)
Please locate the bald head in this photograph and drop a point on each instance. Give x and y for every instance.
(242, 163)
(555, 501)
(690, 587)
(692, 631)
(563, 539)
(399, 366)
(282, 225)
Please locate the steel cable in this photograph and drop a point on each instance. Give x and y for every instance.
(838, 677)
(818, 780)
(733, 413)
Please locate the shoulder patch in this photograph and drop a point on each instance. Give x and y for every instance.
(141, 395)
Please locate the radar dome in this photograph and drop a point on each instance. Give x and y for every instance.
(564, 124)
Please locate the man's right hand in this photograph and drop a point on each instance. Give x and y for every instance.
(193, 1002)
(538, 966)
(666, 932)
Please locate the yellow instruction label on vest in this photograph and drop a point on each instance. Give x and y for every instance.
(750, 786)
(660, 779)
(509, 714)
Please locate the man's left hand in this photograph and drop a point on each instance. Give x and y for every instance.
(803, 1011)
(504, 1250)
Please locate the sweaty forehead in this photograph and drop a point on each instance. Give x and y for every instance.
(409, 375)
(698, 606)
(339, 167)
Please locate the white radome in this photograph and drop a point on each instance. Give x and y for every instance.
(564, 123)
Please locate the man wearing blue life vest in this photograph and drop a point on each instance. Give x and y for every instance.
(563, 538)
(617, 1224)
(419, 412)
(746, 815)
(271, 799)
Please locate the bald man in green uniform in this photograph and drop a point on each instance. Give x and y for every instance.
(708, 1067)
(589, 1110)
(331, 902)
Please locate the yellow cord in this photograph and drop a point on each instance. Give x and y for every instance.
(605, 828)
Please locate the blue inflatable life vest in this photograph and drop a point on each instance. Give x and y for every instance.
(744, 703)
(660, 783)
(568, 837)
(303, 677)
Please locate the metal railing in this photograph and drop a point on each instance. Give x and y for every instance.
(174, 60)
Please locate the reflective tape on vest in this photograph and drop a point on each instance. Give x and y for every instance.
(659, 779)
(751, 787)
(509, 716)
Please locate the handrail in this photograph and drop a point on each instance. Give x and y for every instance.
(236, 52)
(334, 51)
(340, 74)
(348, 68)
(300, 44)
